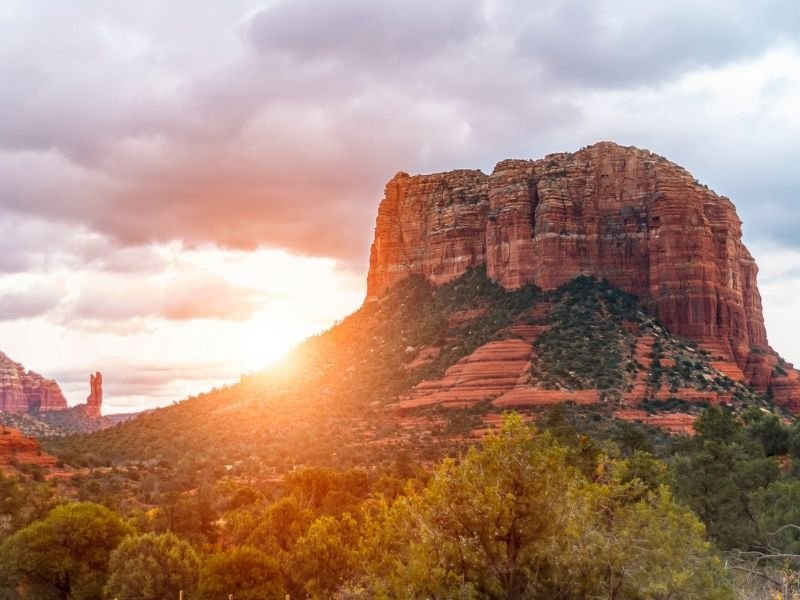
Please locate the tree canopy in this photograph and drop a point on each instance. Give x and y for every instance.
(153, 566)
(65, 555)
(516, 519)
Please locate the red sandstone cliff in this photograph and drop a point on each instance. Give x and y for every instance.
(26, 391)
(623, 214)
(17, 449)
(94, 402)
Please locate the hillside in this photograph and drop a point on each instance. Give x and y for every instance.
(628, 250)
(21, 454)
(663, 416)
(425, 370)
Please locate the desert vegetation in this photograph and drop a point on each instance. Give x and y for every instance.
(571, 508)
(303, 480)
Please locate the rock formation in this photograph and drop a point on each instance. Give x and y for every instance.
(652, 368)
(26, 391)
(623, 214)
(95, 400)
(18, 449)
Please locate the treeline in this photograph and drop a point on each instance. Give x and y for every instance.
(550, 513)
(528, 515)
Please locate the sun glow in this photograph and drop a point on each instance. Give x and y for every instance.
(294, 297)
(201, 317)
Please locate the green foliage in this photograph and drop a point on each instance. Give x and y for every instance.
(672, 405)
(65, 555)
(245, 572)
(153, 566)
(189, 516)
(777, 509)
(768, 430)
(23, 501)
(717, 473)
(793, 441)
(587, 345)
(472, 291)
(274, 530)
(324, 558)
(571, 423)
(717, 424)
(516, 520)
(644, 468)
(326, 490)
(780, 368)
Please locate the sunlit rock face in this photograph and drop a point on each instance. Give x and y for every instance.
(429, 224)
(26, 391)
(94, 402)
(623, 214)
(17, 449)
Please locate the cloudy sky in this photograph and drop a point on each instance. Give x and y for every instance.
(187, 189)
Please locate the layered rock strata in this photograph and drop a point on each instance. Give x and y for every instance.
(499, 373)
(18, 449)
(619, 213)
(94, 402)
(25, 391)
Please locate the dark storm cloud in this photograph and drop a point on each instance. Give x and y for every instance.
(248, 124)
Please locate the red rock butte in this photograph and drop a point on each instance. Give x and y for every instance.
(620, 213)
(25, 391)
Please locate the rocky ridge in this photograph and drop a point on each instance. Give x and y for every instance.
(37, 407)
(611, 212)
(26, 391)
(16, 449)
(585, 343)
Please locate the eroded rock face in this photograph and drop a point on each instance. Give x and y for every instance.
(26, 391)
(16, 449)
(499, 373)
(95, 400)
(623, 214)
(430, 224)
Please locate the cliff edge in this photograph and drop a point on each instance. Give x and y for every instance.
(618, 213)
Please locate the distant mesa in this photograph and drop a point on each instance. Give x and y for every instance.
(26, 391)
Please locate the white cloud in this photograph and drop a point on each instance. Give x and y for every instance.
(147, 150)
(162, 327)
(779, 283)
